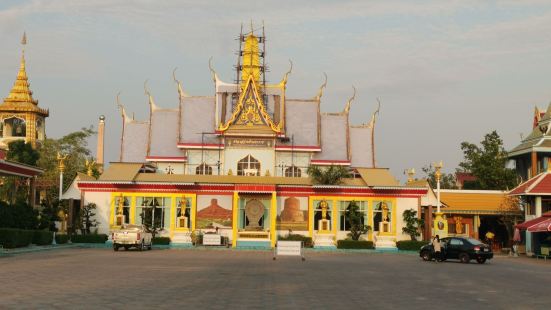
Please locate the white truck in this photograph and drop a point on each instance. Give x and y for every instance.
(132, 236)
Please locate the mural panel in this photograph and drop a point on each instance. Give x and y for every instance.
(214, 212)
(292, 213)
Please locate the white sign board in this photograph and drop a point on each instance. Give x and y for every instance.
(212, 239)
(289, 248)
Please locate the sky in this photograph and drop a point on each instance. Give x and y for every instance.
(444, 71)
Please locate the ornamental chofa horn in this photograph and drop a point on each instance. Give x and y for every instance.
(349, 102)
(181, 92)
(284, 80)
(148, 94)
(324, 85)
(120, 107)
(214, 75)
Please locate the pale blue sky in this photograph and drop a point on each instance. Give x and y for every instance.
(445, 71)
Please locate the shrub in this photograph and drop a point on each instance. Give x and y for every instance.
(161, 240)
(307, 241)
(15, 238)
(410, 245)
(61, 238)
(354, 244)
(94, 238)
(42, 237)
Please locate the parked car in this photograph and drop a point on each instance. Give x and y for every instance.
(460, 248)
(132, 236)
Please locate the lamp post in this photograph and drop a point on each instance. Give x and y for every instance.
(61, 167)
(440, 223)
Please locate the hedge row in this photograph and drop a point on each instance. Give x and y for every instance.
(161, 240)
(353, 244)
(307, 241)
(61, 238)
(410, 245)
(94, 238)
(15, 238)
(42, 237)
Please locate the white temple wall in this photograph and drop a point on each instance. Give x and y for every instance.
(287, 159)
(403, 204)
(103, 203)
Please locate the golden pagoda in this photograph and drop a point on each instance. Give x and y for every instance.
(20, 116)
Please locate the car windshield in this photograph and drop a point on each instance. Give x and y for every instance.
(131, 227)
(474, 241)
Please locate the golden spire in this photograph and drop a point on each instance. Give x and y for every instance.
(250, 61)
(21, 91)
(349, 102)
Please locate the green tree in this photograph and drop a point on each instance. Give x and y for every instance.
(413, 224)
(355, 220)
(152, 220)
(22, 152)
(87, 220)
(447, 180)
(75, 146)
(331, 175)
(487, 163)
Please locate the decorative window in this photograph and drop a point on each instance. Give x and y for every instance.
(153, 211)
(18, 127)
(248, 166)
(293, 171)
(203, 169)
(344, 224)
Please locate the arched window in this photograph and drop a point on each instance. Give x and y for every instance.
(15, 127)
(203, 169)
(248, 166)
(293, 171)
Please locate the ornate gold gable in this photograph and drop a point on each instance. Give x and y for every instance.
(250, 112)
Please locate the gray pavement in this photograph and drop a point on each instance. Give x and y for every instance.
(77, 278)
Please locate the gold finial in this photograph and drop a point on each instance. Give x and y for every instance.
(267, 174)
(230, 172)
(324, 85)
(411, 173)
(61, 159)
(284, 80)
(349, 102)
(121, 205)
(90, 164)
(438, 173)
(24, 38)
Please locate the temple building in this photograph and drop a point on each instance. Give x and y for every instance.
(20, 116)
(236, 162)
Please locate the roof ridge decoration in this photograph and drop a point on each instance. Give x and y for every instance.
(152, 104)
(284, 80)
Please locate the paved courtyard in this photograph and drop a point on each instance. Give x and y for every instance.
(224, 279)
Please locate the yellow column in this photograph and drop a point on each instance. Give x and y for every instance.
(334, 221)
(132, 210)
(172, 215)
(234, 220)
(311, 217)
(112, 211)
(370, 219)
(193, 210)
(273, 215)
(394, 216)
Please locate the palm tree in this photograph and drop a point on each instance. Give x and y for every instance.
(331, 175)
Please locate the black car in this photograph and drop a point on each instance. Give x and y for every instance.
(460, 248)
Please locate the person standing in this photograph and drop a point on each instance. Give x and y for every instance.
(437, 247)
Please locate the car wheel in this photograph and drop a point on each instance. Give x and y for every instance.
(115, 247)
(426, 256)
(149, 246)
(480, 260)
(464, 258)
(126, 247)
(142, 246)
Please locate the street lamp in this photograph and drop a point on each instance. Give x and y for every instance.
(440, 224)
(61, 167)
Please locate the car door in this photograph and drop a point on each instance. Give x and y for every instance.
(455, 247)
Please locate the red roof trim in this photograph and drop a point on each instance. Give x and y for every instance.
(200, 146)
(544, 225)
(322, 162)
(167, 158)
(13, 168)
(311, 148)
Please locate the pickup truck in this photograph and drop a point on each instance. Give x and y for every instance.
(131, 236)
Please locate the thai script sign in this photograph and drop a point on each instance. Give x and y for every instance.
(212, 239)
(249, 143)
